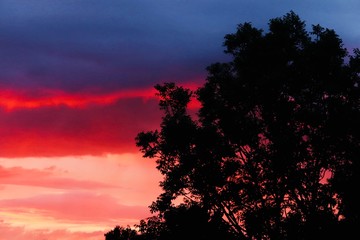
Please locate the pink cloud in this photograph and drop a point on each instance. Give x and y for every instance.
(45, 178)
(36, 194)
(20, 233)
(76, 207)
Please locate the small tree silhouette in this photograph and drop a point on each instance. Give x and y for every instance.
(121, 233)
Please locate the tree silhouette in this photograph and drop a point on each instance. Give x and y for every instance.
(274, 150)
(186, 221)
(122, 233)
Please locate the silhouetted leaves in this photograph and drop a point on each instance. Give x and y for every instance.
(274, 152)
(121, 233)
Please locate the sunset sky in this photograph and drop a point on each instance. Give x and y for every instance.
(76, 86)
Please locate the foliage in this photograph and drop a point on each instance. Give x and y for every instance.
(274, 152)
(122, 233)
(185, 221)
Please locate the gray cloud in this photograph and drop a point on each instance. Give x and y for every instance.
(115, 44)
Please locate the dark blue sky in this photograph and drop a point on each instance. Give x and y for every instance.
(77, 45)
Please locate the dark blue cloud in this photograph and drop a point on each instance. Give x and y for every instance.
(83, 44)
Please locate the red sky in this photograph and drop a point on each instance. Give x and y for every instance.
(76, 86)
(69, 161)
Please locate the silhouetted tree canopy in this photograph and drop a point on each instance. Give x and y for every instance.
(122, 233)
(274, 150)
(185, 221)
